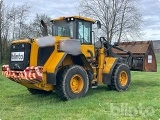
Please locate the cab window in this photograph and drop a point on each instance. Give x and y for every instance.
(84, 32)
(63, 28)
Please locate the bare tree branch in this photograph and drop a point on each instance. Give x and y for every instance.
(118, 17)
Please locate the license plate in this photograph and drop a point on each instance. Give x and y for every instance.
(17, 56)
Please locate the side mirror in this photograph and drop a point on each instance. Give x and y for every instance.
(98, 24)
(44, 29)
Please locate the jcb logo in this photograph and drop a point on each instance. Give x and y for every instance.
(17, 56)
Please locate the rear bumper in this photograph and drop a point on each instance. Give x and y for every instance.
(30, 75)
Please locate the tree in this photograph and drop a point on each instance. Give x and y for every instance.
(14, 25)
(1, 4)
(12, 21)
(22, 16)
(17, 16)
(120, 19)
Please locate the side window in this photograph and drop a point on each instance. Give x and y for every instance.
(59, 31)
(84, 32)
(71, 29)
(80, 31)
(87, 32)
(64, 29)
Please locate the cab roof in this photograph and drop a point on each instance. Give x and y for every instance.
(76, 17)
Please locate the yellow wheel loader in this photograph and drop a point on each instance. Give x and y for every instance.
(70, 62)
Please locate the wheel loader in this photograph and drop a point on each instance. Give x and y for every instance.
(70, 62)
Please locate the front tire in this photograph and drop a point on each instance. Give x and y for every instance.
(121, 78)
(72, 82)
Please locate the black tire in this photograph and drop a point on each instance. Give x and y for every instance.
(64, 78)
(121, 71)
(36, 91)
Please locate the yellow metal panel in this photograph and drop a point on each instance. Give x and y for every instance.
(35, 47)
(109, 61)
(40, 86)
(100, 71)
(21, 41)
(34, 51)
(85, 48)
(53, 61)
(84, 18)
(101, 60)
(58, 38)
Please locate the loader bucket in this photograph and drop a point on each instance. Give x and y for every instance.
(143, 55)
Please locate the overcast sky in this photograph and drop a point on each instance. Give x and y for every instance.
(55, 8)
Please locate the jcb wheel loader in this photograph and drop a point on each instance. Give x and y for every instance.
(69, 62)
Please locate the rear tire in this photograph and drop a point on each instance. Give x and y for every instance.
(121, 78)
(72, 82)
(36, 91)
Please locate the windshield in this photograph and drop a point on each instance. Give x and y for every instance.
(62, 28)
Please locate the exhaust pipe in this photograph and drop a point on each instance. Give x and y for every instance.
(44, 29)
(46, 40)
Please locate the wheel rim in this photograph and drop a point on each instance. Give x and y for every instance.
(123, 78)
(76, 84)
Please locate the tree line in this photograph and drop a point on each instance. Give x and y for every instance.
(15, 24)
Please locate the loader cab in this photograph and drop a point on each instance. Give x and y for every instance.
(75, 27)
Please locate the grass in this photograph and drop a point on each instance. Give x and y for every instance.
(140, 102)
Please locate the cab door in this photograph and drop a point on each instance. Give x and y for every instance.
(84, 34)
